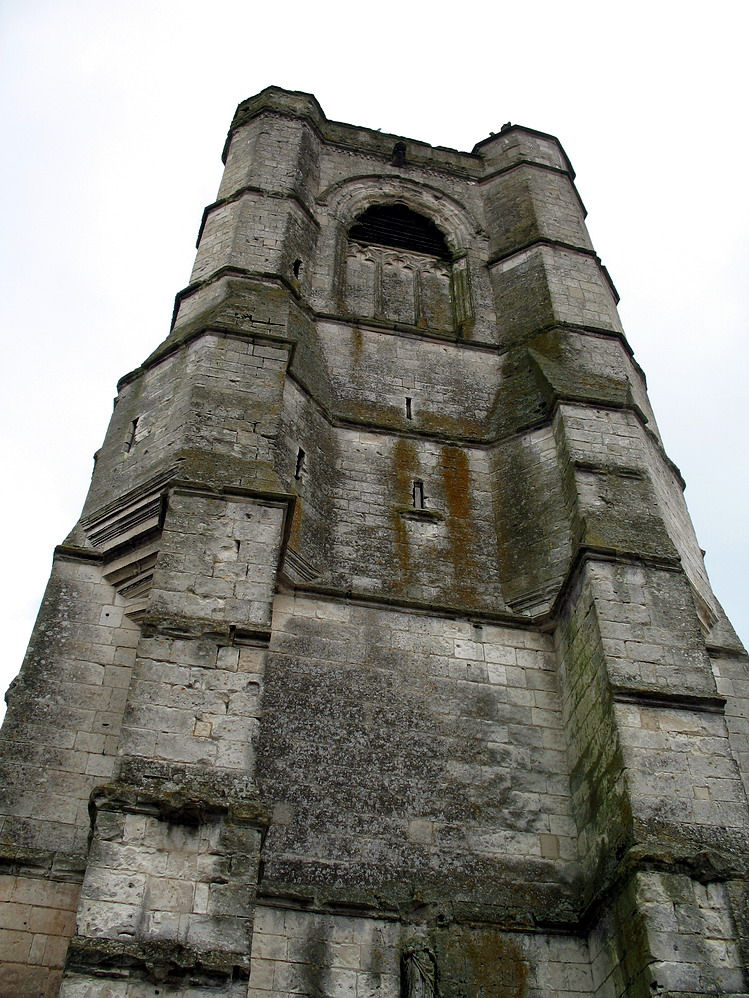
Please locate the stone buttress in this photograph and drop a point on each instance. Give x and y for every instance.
(382, 662)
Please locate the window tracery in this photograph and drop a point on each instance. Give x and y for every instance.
(399, 268)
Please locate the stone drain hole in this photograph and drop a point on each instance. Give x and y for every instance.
(419, 499)
(409, 412)
(300, 459)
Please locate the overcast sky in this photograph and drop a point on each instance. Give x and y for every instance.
(113, 119)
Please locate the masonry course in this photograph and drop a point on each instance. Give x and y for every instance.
(382, 660)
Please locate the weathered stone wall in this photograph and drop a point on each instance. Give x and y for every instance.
(732, 682)
(433, 756)
(532, 522)
(306, 461)
(452, 388)
(528, 203)
(131, 456)
(667, 934)
(173, 858)
(386, 546)
(310, 953)
(65, 710)
(36, 922)
(602, 806)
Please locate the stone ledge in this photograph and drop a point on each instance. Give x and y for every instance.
(181, 794)
(156, 960)
(424, 515)
(42, 864)
(72, 552)
(649, 697)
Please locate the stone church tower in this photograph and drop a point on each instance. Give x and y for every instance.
(382, 661)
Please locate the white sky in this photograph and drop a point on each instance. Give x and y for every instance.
(113, 117)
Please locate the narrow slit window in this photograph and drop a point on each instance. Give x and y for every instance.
(300, 461)
(130, 442)
(297, 268)
(419, 499)
(409, 411)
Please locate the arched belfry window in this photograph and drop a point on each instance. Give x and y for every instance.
(399, 227)
(398, 269)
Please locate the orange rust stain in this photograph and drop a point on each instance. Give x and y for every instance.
(356, 341)
(499, 970)
(485, 963)
(456, 473)
(404, 465)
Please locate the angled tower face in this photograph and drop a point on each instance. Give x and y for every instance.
(382, 660)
